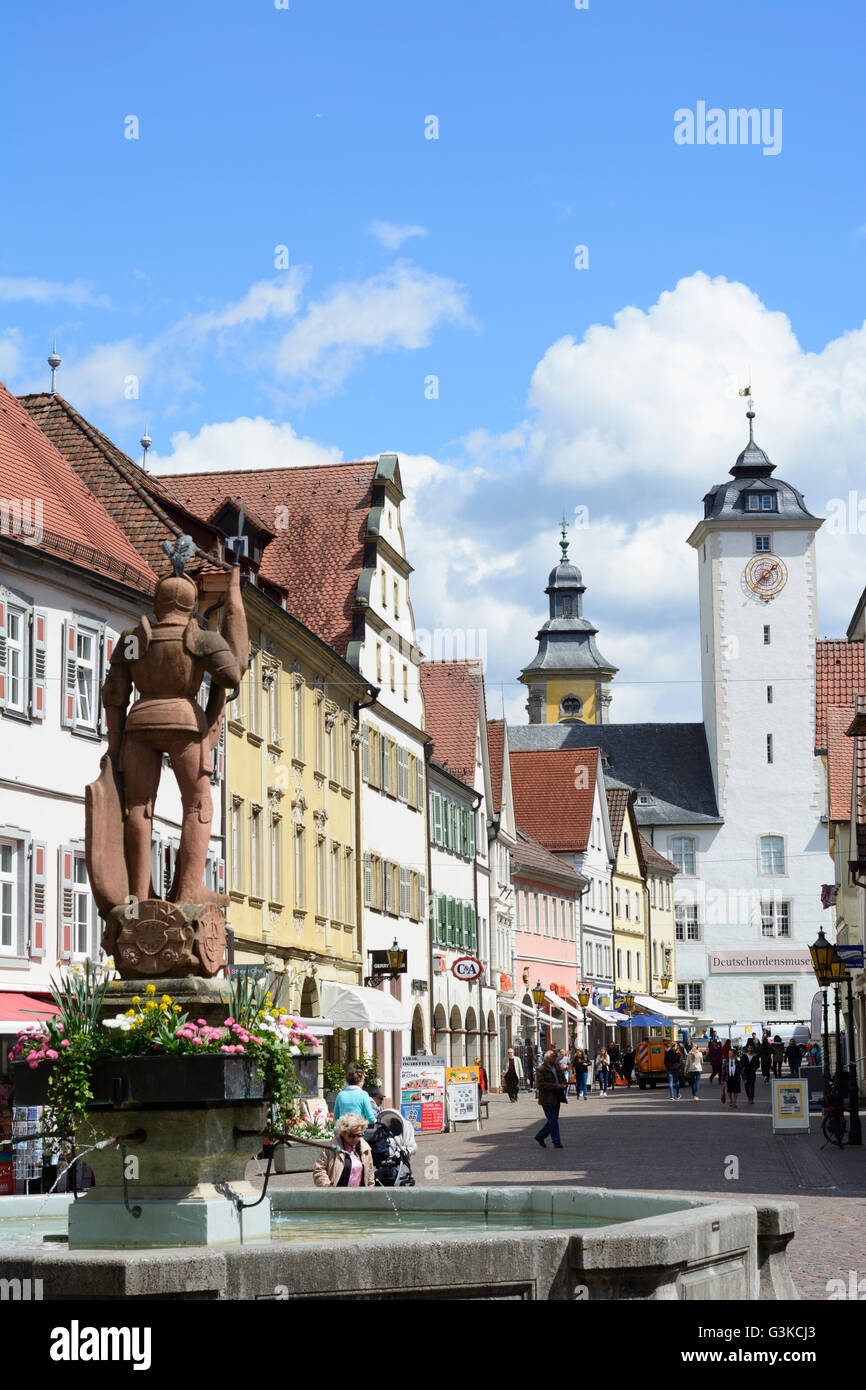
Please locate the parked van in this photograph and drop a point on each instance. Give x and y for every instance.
(649, 1064)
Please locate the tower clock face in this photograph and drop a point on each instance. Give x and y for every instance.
(765, 576)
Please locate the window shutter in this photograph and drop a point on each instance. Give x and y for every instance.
(473, 931)
(470, 822)
(405, 895)
(37, 897)
(446, 823)
(107, 640)
(464, 831)
(412, 780)
(452, 922)
(420, 762)
(219, 754)
(365, 752)
(69, 676)
(422, 898)
(221, 876)
(66, 902)
(38, 658)
(393, 769)
(441, 918)
(437, 817)
(2, 653)
(386, 885)
(403, 774)
(368, 881)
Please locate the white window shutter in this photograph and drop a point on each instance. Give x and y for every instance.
(420, 783)
(2, 653)
(219, 754)
(107, 639)
(422, 898)
(66, 902)
(39, 660)
(38, 864)
(368, 880)
(69, 676)
(365, 752)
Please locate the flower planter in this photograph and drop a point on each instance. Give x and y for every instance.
(211, 1080)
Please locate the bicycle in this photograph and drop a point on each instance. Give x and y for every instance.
(834, 1125)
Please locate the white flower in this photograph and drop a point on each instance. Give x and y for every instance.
(119, 1021)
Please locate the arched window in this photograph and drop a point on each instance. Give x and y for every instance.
(570, 707)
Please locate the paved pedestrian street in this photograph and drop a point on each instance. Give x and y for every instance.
(644, 1141)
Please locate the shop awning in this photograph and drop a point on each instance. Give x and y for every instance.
(645, 1021)
(608, 1016)
(561, 1003)
(319, 1027)
(17, 1010)
(660, 1006)
(357, 1006)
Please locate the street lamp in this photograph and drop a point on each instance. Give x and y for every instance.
(396, 958)
(538, 993)
(584, 994)
(822, 954)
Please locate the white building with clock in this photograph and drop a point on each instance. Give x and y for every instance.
(735, 801)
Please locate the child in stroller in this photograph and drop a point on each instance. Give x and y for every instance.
(392, 1140)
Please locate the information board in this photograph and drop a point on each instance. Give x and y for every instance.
(462, 1100)
(422, 1094)
(790, 1104)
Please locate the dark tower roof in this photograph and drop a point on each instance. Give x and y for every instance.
(751, 476)
(566, 642)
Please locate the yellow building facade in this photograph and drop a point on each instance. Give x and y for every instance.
(661, 924)
(292, 809)
(628, 898)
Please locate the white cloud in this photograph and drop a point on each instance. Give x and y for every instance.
(241, 443)
(392, 234)
(10, 354)
(28, 287)
(266, 299)
(398, 309)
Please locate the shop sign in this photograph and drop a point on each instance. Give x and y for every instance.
(749, 962)
(466, 968)
(422, 1094)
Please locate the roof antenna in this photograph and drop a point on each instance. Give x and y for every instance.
(54, 362)
(145, 443)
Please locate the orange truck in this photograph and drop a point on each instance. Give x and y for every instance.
(649, 1063)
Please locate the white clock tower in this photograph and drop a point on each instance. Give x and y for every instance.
(756, 876)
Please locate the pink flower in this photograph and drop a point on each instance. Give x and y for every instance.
(201, 1023)
(229, 1022)
(66, 1043)
(32, 1062)
(52, 1054)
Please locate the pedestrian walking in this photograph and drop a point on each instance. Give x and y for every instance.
(733, 1077)
(603, 1070)
(580, 1067)
(349, 1163)
(628, 1061)
(615, 1062)
(765, 1053)
(750, 1062)
(673, 1064)
(512, 1075)
(354, 1098)
(694, 1068)
(714, 1054)
(778, 1055)
(551, 1095)
(792, 1052)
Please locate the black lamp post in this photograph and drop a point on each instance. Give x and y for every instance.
(538, 994)
(823, 953)
(840, 976)
(583, 997)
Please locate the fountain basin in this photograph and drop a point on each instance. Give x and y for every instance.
(640, 1247)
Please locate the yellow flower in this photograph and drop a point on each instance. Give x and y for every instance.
(150, 989)
(260, 1014)
(151, 1004)
(166, 999)
(177, 1008)
(136, 999)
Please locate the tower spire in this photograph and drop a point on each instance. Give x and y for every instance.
(750, 413)
(563, 544)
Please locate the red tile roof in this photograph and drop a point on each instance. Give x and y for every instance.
(553, 795)
(840, 675)
(74, 523)
(840, 761)
(496, 749)
(529, 854)
(319, 515)
(653, 859)
(148, 512)
(452, 693)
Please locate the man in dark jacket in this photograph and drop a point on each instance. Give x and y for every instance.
(551, 1086)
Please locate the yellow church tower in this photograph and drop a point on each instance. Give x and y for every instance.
(568, 678)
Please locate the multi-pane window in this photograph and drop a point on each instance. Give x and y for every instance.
(772, 854)
(545, 909)
(690, 997)
(617, 899)
(683, 853)
(775, 919)
(298, 718)
(779, 998)
(628, 904)
(766, 634)
(320, 733)
(255, 851)
(762, 543)
(536, 914)
(300, 874)
(336, 884)
(273, 689)
(321, 878)
(16, 649)
(82, 907)
(769, 748)
(688, 927)
(237, 845)
(86, 677)
(349, 899)
(637, 905)
(8, 895)
(276, 859)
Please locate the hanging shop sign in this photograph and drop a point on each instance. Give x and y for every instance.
(467, 968)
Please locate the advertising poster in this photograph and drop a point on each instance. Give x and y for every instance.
(790, 1104)
(462, 1101)
(422, 1094)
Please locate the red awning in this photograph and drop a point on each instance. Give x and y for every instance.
(17, 1010)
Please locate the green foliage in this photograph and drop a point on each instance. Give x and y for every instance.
(334, 1074)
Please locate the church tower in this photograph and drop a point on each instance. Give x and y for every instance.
(568, 678)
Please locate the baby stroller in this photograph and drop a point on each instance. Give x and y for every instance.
(392, 1140)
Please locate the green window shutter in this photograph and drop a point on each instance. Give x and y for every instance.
(446, 817)
(442, 918)
(473, 931)
(470, 821)
(452, 927)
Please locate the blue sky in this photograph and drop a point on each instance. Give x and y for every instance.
(260, 127)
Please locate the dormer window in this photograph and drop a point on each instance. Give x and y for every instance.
(760, 501)
(643, 797)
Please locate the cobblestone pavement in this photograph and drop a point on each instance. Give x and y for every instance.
(644, 1140)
